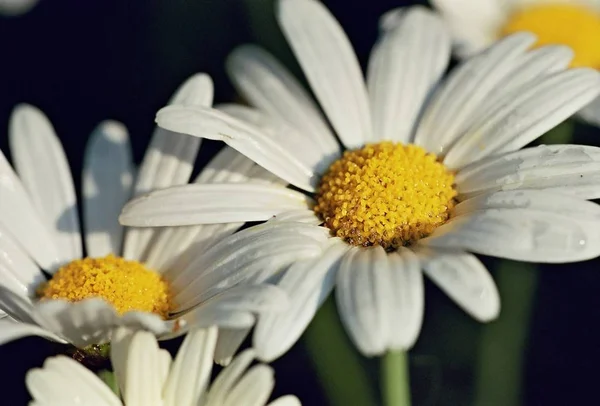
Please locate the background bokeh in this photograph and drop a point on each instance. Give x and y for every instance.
(85, 61)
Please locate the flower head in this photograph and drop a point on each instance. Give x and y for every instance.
(432, 172)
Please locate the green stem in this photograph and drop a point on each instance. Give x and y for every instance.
(337, 364)
(109, 378)
(395, 383)
(504, 341)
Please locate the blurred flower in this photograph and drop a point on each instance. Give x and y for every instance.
(16, 7)
(391, 206)
(475, 24)
(160, 284)
(146, 375)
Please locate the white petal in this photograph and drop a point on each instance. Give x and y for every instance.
(228, 378)
(288, 400)
(534, 226)
(406, 312)
(227, 166)
(525, 114)
(247, 139)
(591, 112)
(307, 283)
(142, 374)
(41, 163)
(17, 271)
(364, 298)
(16, 305)
(300, 216)
(305, 147)
(330, 65)
(11, 330)
(253, 389)
(211, 204)
(228, 344)
(474, 23)
(569, 169)
(465, 279)
(63, 381)
(147, 321)
(169, 159)
(81, 323)
(19, 217)
(462, 93)
(403, 69)
(190, 373)
(265, 248)
(268, 85)
(106, 186)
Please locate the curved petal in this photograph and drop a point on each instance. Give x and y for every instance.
(106, 186)
(287, 400)
(524, 114)
(63, 381)
(11, 330)
(268, 85)
(304, 147)
(267, 152)
(299, 216)
(330, 65)
(190, 373)
(253, 388)
(265, 248)
(17, 306)
(211, 204)
(169, 159)
(461, 95)
(228, 343)
(569, 169)
(307, 283)
(465, 279)
(398, 89)
(530, 225)
(365, 298)
(591, 112)
(42, 165)
(17, 269)
(19, 217)
(228, 378)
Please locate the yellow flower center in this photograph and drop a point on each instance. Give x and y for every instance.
(127, 285)
(385, 194)
(576, 26)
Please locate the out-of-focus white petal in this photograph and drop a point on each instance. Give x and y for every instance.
(106, 186)
(41, 163)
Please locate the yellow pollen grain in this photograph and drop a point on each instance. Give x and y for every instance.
(576, 26)
(385, 194)
(127, 285)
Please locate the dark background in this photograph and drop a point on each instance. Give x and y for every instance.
(85, 61)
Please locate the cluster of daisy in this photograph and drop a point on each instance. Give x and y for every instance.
(407, 172)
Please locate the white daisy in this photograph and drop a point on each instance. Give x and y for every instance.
(165, 282)
(475, 24)
(146, 375)
(394, 208)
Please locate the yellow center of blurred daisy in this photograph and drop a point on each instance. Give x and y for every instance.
(385, 194)
(127, 285)
(576, 26)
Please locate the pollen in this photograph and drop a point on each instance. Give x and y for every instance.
(127, 285)
(574, 25)
(385, 194)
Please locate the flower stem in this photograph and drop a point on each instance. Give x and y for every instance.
(109, 378)
(395, 384)
(337, 364)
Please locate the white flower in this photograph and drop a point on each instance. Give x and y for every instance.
(146, 375)
(484, 194)
(39, 229)
(476, 24)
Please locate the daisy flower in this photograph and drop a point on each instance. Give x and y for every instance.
(475, 24)
(159, 283)
(146, 375)
(430, 171)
